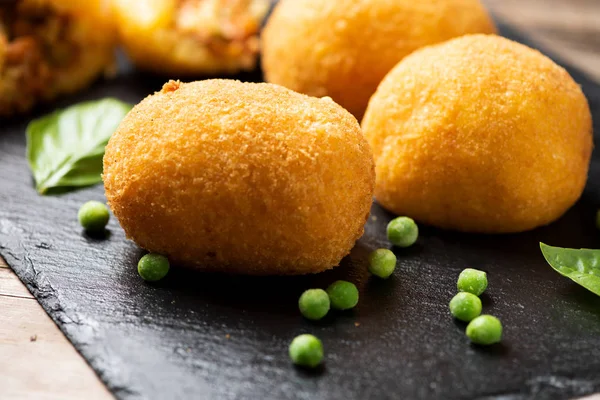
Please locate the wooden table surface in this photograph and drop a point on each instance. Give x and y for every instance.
(38, 362)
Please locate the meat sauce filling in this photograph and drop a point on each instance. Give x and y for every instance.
(34, 42)
(228, 28)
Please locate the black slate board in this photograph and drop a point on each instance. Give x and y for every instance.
(207, 336)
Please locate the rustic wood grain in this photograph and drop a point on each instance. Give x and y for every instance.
(50, 368)
(592, 397)
(38, 362)
(10, 285)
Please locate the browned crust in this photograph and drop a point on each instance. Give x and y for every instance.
(241, 178)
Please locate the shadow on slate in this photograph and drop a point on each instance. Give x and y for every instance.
(205, 336)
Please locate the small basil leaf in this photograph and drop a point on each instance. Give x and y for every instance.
(580, 265)
(65, 148)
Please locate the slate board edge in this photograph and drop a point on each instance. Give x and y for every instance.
(79, 332)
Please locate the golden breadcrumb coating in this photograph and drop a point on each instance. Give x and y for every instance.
(50, 48)
(240, 177)
(479, 134)
(191, 37)
(344, 48)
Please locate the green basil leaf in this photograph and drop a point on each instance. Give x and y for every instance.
(580, 265)
(65, 148)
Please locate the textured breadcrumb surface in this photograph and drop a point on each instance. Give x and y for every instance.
(240, 177)
(479, 134)
(344, 48)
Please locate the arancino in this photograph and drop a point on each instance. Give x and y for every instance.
(240, 177)
(191, 37)
(479, 134)
(50, 48)
(344, 48)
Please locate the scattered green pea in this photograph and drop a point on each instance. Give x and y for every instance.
(472, 281)
(343, 295)
(382, 263)
(153, 267)
(93, 216)
(402, 232)
(465, 306)
(306, 350)
(314, 304)
(485, 330)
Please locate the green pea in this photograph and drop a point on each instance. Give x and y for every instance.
(382, 263)
(343, 295)
(472, 281)
(93, 216)
(485, 330)
(465, 306)
(153, 267)
(402, 232)
(314, 304)
(306, 350)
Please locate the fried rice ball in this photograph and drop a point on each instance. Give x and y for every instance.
(479, 134)
(192, 37)
(344, 48)
(240, 178)
(50, 48)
